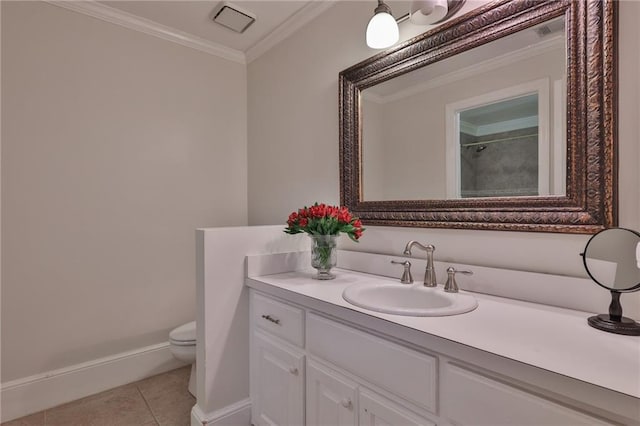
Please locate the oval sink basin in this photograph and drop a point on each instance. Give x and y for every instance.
(409, 300)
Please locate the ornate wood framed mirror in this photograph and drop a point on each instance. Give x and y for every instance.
(503, 118)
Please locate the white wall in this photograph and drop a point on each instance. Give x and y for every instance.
(116, 146)
(293, 145)
(223, 317)
(293, 113)
(0, 203)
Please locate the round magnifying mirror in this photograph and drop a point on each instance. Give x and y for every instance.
(612, 260)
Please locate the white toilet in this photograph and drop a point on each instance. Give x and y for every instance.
(182, 342)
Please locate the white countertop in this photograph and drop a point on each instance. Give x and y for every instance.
(555, 339)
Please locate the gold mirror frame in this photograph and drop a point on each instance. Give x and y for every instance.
(590, 204)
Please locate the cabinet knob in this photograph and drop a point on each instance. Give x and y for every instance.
(346, 403)
(293, 370)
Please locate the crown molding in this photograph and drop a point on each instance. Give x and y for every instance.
(292, 24)
(499, 127)
(147, 26)
(507, 126)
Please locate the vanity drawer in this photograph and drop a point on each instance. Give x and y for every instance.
(278, 318)
(399, 370)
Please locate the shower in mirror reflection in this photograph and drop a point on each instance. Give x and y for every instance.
(499, 148)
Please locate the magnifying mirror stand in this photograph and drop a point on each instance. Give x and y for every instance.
(614, 322)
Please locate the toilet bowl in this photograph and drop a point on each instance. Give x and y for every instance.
(182, 343)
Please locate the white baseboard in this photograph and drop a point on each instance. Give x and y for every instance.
(36, 393)
(237, 414)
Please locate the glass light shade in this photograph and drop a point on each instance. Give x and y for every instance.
(425, 12)
(382, 31)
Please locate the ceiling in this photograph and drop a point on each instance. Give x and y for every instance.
(190, 22)
(194, 17)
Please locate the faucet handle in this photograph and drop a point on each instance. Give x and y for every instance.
(451, 286)
(406, 274)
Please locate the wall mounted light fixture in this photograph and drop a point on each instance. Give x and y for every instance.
(382, 30)
(428, 12)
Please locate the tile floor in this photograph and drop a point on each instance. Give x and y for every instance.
(161, 400)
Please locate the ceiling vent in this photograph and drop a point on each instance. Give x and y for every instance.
(233, 17)
(543, 31)
(550, 27)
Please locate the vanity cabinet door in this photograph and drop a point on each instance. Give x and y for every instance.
(472, 398)
(376, 410)
(331, 398)
(277, 383)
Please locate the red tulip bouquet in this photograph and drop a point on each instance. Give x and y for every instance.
(323, 224)
(321, 219)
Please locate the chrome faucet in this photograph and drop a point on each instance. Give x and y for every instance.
(430, 271)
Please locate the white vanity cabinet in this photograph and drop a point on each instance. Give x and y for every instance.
(401, 371)
(316, 368)
(277, 365)
(286, 390)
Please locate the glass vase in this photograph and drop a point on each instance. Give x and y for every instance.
(324, 255)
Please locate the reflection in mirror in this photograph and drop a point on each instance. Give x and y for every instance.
(612, 259)
(488, 122)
